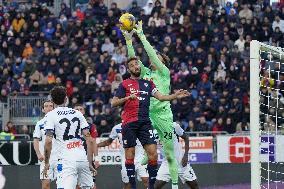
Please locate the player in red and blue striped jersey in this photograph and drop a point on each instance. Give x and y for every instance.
(134, 95)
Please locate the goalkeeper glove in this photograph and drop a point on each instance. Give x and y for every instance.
(128, 36)
(139, 29)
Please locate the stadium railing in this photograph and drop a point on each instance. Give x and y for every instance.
(26, 109)
(15, 137)
(4, 115)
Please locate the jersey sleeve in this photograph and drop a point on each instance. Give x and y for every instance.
(93, 131)
(37, 133)
(120, 92)
(162, 69)
(130, 50)
(83, 122)
(144, 69)
(113, 134)
(179, 131)
(49, 123)
(153, 88)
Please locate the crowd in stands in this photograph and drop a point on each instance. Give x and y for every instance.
(84, 50)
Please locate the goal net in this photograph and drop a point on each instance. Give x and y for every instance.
(266, 116)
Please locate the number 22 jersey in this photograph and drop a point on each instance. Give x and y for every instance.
(67, 125)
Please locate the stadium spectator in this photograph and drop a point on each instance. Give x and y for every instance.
(100, 10)
(218, 127)
(190, 127)
(6, 135)
(103, 126)
(244, 126)
(229, 126)
(135, 9)
(246, 12)
(10, 128)
(148, 7)
(278, 23)
(155, 19)
(108, 46)
(18, 23)
(65, 10)
(202, 125)
(25, 131)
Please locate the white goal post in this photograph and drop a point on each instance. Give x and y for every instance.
(256, 49)
(254, 114)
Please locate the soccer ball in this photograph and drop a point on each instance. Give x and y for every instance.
(127, 22)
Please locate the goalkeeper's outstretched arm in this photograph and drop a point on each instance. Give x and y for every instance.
(130, 50)
(129, 45)
(150, 50)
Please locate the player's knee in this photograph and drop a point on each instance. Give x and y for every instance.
(145, 183)
(153, 155)
(170, 158)
(45, 184)
(158, 185)
(193, 184)
(127, 186)
(130, 153)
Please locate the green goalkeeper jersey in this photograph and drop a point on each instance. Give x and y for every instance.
(160, 77)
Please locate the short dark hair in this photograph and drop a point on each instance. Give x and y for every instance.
(130, 59)
(78, 104)
(58, 94)
(166, 60)
(42, 106)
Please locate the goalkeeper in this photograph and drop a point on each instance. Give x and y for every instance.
(160, 112)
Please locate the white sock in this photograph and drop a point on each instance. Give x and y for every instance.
(174, 186)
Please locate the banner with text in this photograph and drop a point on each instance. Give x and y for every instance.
(109, 155)
(236, 149)
(200, 148)
(17, 153)
(22, 152)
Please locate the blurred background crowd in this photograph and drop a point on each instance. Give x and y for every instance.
(84, 50)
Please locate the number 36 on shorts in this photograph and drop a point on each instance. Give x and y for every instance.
(153, 134)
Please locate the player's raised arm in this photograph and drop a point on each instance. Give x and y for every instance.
(128, 39)
(151, 51)
(130, 50)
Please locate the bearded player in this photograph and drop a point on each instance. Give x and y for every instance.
(160, 112)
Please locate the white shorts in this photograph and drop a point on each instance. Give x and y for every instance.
(52, 172)
(185, 173)
(140, 171)
(2, 179)
(72, 172)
